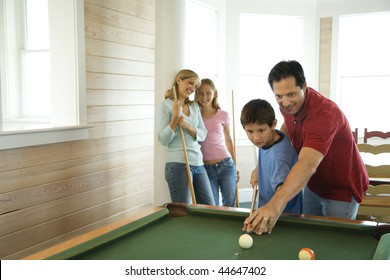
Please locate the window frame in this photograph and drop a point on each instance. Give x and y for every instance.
(73, 88)
(342, 79)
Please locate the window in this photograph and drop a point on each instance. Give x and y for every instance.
(42, 71)
(363, 76)
(201, 42)
(27, 96)
(261, 47)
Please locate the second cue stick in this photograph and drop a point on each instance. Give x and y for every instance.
(183, 141)
(234, 148)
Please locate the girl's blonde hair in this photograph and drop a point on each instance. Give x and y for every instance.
(209, 82)
(182, 75)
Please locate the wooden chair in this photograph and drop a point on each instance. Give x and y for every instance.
(376, 203)
(355, 135)
(371, 134)
(381, 170)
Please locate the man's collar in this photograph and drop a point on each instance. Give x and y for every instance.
(302, 113)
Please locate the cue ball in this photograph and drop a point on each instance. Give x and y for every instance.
(306, 254)
(245, 241)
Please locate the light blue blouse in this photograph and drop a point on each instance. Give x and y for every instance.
(172, 139)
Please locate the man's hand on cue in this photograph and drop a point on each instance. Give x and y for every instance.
(263, 219)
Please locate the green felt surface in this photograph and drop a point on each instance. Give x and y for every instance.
(214, 235)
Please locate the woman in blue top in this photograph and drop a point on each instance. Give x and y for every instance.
(276, 155)
(180, 112)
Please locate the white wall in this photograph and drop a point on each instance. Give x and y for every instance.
(170, 34)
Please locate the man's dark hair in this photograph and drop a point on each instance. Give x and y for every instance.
(286, 69)
(257, 111)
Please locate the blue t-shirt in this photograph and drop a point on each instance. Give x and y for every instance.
(275, 162)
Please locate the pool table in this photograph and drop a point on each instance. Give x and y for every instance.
(178, 231)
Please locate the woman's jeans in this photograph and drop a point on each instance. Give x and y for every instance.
(223, 177)
(179, 188)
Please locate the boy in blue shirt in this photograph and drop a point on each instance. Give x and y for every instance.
(276, 155)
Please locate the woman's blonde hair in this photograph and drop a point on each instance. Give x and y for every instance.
(209, 82)
(182, 75)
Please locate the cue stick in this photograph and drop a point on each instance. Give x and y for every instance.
(254, 196)
(234, 148)
(183, 141)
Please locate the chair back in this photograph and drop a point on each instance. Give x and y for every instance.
(376, 159)
(383, 189)
(376, 202)
(355, 135)
(371, 134)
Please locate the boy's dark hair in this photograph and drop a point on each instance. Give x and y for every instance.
(257, 111)
(286, 69)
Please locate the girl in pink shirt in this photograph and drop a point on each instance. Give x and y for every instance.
(217, 148)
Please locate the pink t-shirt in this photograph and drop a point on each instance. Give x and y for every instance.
(214, 146)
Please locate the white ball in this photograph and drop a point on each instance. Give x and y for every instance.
(245, 241)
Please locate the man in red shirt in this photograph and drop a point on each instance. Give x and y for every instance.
(329, 162)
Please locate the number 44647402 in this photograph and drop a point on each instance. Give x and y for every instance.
(242, 270)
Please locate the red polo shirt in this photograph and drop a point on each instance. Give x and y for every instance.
(321, 125)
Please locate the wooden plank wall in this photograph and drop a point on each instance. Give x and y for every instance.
(53, 192)
(325, 57)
